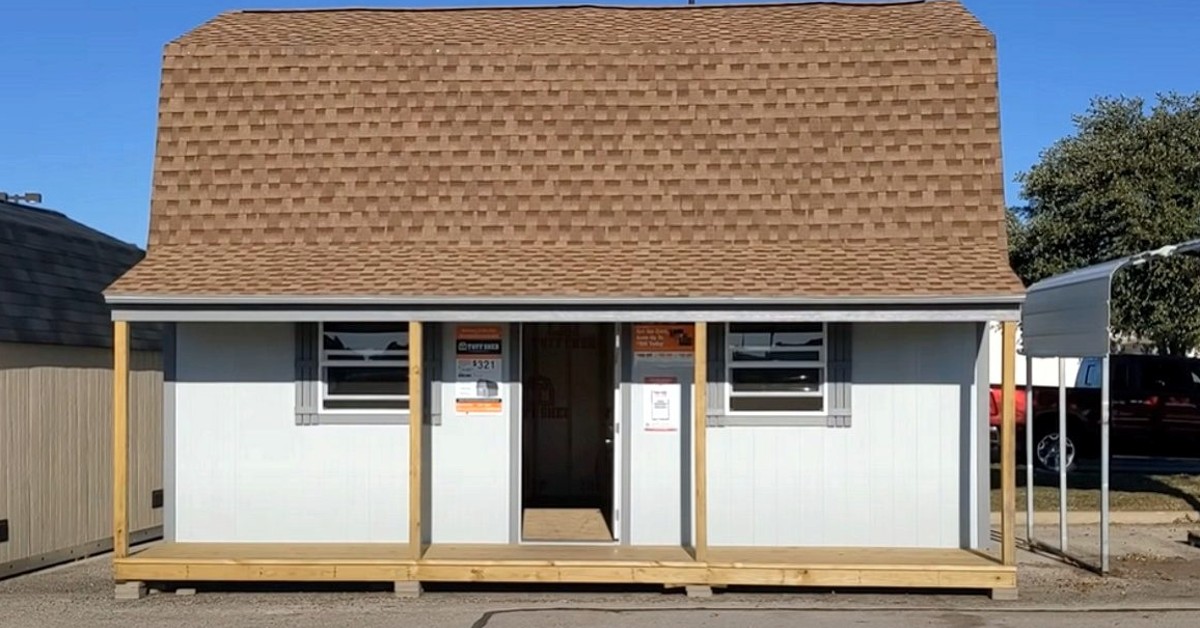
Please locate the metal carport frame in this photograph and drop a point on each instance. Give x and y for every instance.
(1069, 315)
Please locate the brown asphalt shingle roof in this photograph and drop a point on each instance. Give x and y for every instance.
(785, 150)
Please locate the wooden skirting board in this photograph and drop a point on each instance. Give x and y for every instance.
(818, 567)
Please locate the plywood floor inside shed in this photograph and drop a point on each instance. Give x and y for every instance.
(565, 524)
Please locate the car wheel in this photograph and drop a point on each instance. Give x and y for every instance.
(1046, 452)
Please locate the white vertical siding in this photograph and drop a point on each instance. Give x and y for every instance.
(471, 460)
(246, 472)
(656, 472)
(891, 479)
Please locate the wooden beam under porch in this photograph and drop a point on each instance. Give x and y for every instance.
(363, 562)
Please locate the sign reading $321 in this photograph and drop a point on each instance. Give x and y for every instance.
(479, 368)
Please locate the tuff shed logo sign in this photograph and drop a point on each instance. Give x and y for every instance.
(478, 347)
(479, 366)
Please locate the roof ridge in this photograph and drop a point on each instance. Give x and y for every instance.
(614, 7)
(93, 234)
(756, 21)
(45, 210)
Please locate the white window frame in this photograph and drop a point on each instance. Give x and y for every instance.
(822, 363)
(324, 362)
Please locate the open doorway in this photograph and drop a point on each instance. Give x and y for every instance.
(568, 435)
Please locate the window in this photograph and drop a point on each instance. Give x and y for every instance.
(1091, 374)
(364, 367)
(776, 368)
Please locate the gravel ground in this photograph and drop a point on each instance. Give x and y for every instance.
(1150, 565)
(1155, 582)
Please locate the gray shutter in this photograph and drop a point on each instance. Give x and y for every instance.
(433, 372)
(307, 378)
(716, 374)
(839, 374)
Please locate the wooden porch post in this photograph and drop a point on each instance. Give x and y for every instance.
(700, 429)
(416, 421)
(120, 461)
(1008, 444)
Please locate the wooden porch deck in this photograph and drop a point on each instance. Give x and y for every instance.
(820, 567)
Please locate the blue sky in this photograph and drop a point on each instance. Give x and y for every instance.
(80, 83)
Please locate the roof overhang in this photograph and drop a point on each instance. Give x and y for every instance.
(1068, 315)
(550, 309)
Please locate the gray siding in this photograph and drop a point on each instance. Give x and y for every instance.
(56, 449)
(895, 478)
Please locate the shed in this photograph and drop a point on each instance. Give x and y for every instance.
(685, 296)
(56, 392)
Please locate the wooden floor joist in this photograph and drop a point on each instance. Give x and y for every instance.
(819, 567)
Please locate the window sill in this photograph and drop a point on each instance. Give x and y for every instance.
(778, 420)
(364, 418)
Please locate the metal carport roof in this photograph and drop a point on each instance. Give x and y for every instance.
(1068, 315)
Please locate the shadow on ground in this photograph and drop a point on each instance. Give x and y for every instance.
(1130, 491)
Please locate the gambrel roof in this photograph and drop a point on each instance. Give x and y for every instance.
(792, 150)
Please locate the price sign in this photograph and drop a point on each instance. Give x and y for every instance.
(479, 362)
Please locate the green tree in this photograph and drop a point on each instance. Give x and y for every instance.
(1126, 181)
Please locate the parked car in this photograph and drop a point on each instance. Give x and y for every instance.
(1154, 410)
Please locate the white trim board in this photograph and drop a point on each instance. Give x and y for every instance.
(798, 314)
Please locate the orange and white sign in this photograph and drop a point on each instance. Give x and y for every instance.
(664, 342)
(479, 368)
(478, 406)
